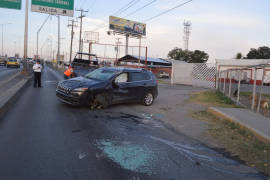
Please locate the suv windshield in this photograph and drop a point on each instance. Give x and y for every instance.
(101, 74)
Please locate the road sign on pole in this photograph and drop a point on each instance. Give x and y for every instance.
(11, 4)
(55, 7)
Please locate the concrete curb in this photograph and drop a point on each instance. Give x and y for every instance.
(222, 115)
(10, 96)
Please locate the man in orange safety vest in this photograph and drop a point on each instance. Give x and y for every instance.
(69, 73)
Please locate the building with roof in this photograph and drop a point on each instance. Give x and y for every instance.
(156, 65)
(151, 62)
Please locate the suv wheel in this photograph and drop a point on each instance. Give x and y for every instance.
(148, 99)
(100, 101)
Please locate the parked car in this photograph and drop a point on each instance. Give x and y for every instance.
(107, 86)
(3, 61)
(13, 62)
(164, 75)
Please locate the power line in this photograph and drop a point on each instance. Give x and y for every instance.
(140, 8)
(83, 2)
(78, 3)
(130, 13)
(129, 7)
(92, 5)
(124, 7)
(165, 12)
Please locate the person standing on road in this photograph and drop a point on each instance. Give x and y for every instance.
(37, 74)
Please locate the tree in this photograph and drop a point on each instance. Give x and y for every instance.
(199, 57)
(179, 54)
(239, 56)
(196, 56)
(260, 53)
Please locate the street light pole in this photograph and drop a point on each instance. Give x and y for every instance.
(26, 30)
(58, 49)
(40, 30)
(3, 37)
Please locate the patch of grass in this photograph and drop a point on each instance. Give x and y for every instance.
(212, 98)
(247, 94)
(238, 140)
(162, 81)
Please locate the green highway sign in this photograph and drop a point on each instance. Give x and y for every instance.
(11, 4)
(56, 7)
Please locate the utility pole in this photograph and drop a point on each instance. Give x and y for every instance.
(72, 35)
(81, 17)
(117, 47)
(26, 30)
(127, 36)
(140, 44)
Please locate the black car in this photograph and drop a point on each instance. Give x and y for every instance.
(109, 85)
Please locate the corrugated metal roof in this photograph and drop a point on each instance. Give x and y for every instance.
(149, 59)
(176, 61)
(242, 62)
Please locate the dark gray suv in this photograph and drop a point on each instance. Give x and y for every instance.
(109, 85)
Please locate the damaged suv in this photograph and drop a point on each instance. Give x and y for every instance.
(109, 85)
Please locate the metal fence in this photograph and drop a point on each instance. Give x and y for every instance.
(248, 86)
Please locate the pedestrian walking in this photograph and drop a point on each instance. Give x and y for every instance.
(37, 68)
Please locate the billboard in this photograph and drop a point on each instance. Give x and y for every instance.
(127, 26)
(55, 7)
(11, 4)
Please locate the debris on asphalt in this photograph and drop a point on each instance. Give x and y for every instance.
(132, 157)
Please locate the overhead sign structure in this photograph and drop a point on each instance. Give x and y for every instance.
(55, 7)
(11, 4)
(127, 26)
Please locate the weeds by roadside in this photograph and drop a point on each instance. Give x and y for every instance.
(248, 94)
(212, 98)
(238, 140)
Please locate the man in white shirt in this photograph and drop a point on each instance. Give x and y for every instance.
(37, 74)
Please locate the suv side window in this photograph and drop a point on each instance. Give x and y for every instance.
(139, 76)
(122, 78)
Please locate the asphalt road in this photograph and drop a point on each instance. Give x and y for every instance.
(41, 138)
(6, 72)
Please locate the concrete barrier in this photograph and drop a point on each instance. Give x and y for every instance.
(8, 97)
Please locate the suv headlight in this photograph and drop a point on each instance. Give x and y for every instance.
(80, 89)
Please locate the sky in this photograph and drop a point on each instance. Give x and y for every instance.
(221, 28)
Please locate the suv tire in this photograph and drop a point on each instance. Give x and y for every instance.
(148, 99)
